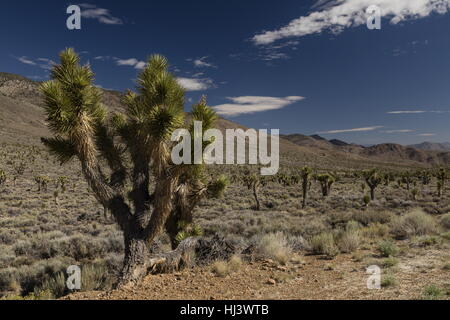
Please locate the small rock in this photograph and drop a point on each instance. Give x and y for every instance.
(271, 282)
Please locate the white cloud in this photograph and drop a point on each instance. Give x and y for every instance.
(337, 15)
(253, 104)
(90, 11)
(399, 131)
(406, 112)
(132, 62)
(427, 134)
(201, 63)
(43, 63)
(365, 129)
(417, 111)
(25, 60)
(191, 84)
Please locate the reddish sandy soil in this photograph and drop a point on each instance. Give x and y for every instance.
(307, 277)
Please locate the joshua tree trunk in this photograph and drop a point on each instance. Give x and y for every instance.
(137, 255)
(372, 193)
(305, 193)
(255, 195)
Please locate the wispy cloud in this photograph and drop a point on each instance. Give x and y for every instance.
(337, 15)
(398, 131)
(42, 63)
(202, 63)
(406, 112)
(25, 60)
(427, 134)
(91, 11)
(365, 129)
(195, 84)
(254, 104)
(417, 111)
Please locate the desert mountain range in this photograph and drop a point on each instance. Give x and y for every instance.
(22, 121)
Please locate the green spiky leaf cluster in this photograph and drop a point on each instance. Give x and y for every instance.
(188, 231)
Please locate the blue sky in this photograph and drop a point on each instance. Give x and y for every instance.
(301, 66)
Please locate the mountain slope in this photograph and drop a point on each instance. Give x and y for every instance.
(22, 121)
(432, 146)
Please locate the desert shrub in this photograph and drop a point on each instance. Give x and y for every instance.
(8, 282)
(324, 244)
(414, 223)
(31, 276)
(387, 249)
(376, 230)
(224, 268)
(368, 217)
(349, 240)
(275, 246)
(96, 277)
(388, 281)
(432, 292)
(339, 219)
(445, 221)
(389, 262)
(52, 288)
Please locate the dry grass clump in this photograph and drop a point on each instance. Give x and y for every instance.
(376, 230)
(225, 268)
(275, 246)
(369, 217)
(324, 244)
(414, 223)
(350, 239)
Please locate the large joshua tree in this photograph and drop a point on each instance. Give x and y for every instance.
(123, 152)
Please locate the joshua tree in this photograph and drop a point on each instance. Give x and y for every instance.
(19, 169)
(61, 182)
(408, 179)
(42, 183)
(254, 182)
(373, 179)
(425, 177)
(326, 181)
(305, 174)
(2, 177)
(388, 177)
(136, 146)
(441, 176)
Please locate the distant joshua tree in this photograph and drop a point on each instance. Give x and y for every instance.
(408, 179)
(135, 146)
(441, 176)
(425, 177)
(305, 175)
(373, 179)
(254, 182)
(2, 177)
(326, 181)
